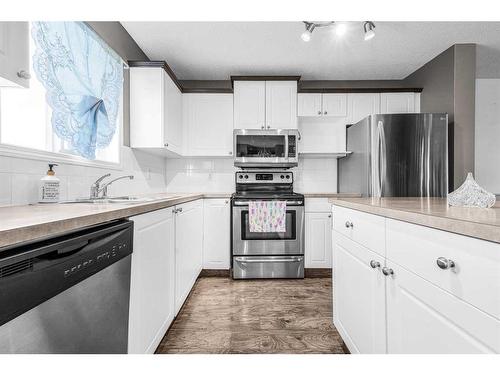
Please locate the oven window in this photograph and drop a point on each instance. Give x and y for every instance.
(258, 146)
(290, 233)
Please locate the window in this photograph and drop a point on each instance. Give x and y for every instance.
(25, 122)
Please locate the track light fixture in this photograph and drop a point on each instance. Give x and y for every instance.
(340, 29)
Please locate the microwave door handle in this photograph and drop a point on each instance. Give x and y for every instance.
(286, 146)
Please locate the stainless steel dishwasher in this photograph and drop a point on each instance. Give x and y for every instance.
(69, 294)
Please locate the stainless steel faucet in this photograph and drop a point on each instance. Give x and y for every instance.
(96, 188)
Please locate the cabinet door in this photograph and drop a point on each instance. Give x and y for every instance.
(422, 318)
(216, 234)
(14, 54)
(188, 249)
(309, 105)
(249, 104)
(397, 102)
(318, 251)
(172, 106)
(281, 104)
(362, 105)
(209, 124)
(335, 105)
(152, 281)
(358, 297)
(146, 108)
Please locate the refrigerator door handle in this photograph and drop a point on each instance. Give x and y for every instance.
(382, 158)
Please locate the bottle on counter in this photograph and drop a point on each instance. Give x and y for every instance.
(49, 187)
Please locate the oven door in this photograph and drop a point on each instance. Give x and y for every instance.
(290, 242)
(260, 148)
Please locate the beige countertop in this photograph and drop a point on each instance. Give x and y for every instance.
(480, 223)
(331, 195)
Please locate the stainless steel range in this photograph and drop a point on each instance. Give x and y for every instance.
(257, 255)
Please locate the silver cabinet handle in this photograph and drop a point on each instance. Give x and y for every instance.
(230, 152)
(262, 127)
(179, 209)
(330, 215)
(226, 202)
(23, 74)
(374, 264)
(166, 144)
(348, 224)
(319, 112)
(444, 263)
(387, 271)
(325, 113)
(269, 126)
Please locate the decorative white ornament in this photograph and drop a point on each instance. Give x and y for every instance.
(470, 194)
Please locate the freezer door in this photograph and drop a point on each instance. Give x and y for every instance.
(409, 155)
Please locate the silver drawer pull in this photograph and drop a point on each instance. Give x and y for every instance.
(387, 271)
(444, 263)
(348, 224)
(374, 264)
(263, 260)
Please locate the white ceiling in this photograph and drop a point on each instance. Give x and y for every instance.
(216, 50)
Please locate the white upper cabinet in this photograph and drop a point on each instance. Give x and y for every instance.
(208, 124)
(362, 105)
(14, 54)
(155, 110)
(399, 102)
(249, 104)
(309, 105)
(281, 104)
(318, 105)
(265, 104)
(335, 105)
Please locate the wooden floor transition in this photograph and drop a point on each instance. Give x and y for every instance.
(255, 316)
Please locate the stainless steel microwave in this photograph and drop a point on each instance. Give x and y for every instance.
(273, 148)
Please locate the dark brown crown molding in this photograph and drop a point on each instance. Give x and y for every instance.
(342, 90)
(157, 64)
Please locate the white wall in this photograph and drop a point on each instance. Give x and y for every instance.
(19, 177)
(217, 175)
(487, 134)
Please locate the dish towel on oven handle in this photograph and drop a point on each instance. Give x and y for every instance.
(267, 216)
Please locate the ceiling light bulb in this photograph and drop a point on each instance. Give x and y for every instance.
(369, 27)
(306, 36)
(340, 29)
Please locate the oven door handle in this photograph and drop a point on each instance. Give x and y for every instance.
(288, 203)
(268, 260)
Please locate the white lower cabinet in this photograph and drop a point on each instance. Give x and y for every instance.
(188, 249)
(152, 280)
(395, 299)
(424, 319)
(359, 311)
(216, 234)
(165, 264)
(318, 251)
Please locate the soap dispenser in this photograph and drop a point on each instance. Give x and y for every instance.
(49, 187)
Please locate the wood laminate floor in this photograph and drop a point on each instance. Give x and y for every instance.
(255, 316)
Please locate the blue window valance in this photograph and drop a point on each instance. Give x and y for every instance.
(83, 77)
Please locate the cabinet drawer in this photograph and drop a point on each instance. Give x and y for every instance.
(317, 205)
(475, 278)
(366, 229)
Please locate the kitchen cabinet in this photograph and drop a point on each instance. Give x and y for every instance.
(14, 54)
(399, 102)
(318, 233)
(155, 111)
(428, 308)
(188, 248)
(249, 104)
(359, 292)
(265, 104)
(281, 104)
(361, 105)
(152, 284)
(208, 124)
(216, 234)
(322, 105)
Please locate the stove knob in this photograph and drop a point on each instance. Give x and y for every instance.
(282, 177)
(287, 176)
(246, 176)
(240, 176)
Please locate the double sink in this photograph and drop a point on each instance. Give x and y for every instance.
(122, 199)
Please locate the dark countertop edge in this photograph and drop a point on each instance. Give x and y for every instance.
(467, 228)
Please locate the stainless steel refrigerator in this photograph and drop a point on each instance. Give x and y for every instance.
(396, 155)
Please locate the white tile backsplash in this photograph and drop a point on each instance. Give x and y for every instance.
(217, 175)
(20, 177)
